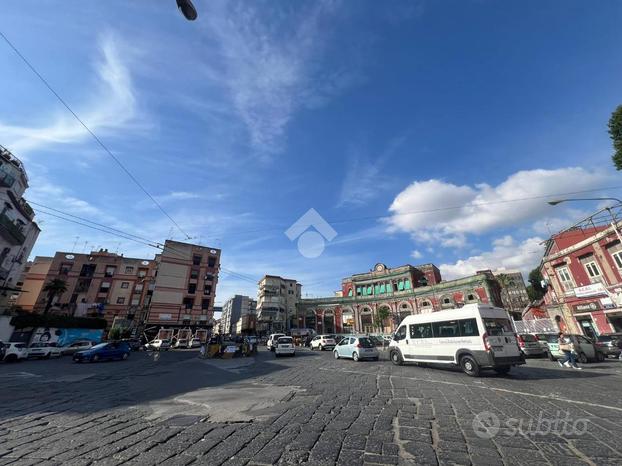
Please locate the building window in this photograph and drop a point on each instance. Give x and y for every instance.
(407, 284)
(211, 262)
(196, 260)
(121, 300)
(65, 268)
(207, 290)
(593, 271)
(425, 304)
(565, 278)
(205, 303)
(125, 284)
(358, 291)
(194, 273)
(110, 270)
(129, 269)
(105, 286)
(617, 257)
(135, 301)
(209, 277)
(471, 297)
(142, 273)
(192, 288)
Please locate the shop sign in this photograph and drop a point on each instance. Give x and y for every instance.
(586, 307)
(589, 290)
(607, 303)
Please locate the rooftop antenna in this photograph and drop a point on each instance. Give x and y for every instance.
(73, 248)
(84, 248)
(170, 233)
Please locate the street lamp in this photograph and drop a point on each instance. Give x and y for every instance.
(613, 219)
(187, 9)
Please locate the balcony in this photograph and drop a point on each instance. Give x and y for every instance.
(11, 232)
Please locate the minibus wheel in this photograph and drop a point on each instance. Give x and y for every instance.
(469, 366)
(396, 358)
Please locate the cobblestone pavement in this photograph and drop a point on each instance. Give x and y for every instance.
(311, 409)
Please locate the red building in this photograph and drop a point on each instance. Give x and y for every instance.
(582, 267)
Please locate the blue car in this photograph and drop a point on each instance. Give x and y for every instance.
(104, 351)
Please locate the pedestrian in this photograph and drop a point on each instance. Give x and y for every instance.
(567, 348)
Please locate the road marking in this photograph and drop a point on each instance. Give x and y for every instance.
(482, 387)
(18, 375)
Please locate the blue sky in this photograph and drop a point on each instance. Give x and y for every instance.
(366, 111)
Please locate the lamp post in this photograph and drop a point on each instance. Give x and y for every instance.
(613, 219)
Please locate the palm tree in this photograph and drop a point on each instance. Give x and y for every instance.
(54, 288)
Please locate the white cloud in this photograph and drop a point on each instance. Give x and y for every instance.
(267, 59)
(113, 106)
(434, 210)
(416, 254)
(505, 254)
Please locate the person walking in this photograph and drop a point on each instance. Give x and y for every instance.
(566, 347)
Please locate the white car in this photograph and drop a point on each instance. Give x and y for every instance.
(181, 343)
(159, 345)
(194, 343)
(323, 342)
(77, 346)
(44, 350)
(474, 337)
(272, 339)
(15, 352)
(285, 346)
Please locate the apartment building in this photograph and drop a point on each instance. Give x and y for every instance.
(238, 315)
(276, 304)
(32, 281)
(100, 283)
(18, 230)
(185, 286)
(513, 291)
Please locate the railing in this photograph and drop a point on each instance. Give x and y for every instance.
(10, 231)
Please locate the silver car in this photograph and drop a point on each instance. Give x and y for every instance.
(357, 348)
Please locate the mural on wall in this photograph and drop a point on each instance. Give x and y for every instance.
(66, 336)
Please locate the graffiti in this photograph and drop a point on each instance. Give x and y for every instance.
(66, 336)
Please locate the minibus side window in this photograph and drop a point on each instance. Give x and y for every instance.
(421, 331)
(446, 329)
(468, 328)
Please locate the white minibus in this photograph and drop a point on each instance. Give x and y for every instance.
(475, 337)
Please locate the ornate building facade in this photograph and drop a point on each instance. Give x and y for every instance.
(365, 298)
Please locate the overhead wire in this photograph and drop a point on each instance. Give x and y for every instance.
(93, 135)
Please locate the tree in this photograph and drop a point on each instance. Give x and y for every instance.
(383, 314)
(506, 281)
(535, 289)
(114, 333)
(615, 133)
(54, 288)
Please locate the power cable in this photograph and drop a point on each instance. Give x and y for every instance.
(101, 144)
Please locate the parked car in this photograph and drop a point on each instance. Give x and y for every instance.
(285, 346)
(15, 352)
(2, 350)
(474, 337)
(272, 339)
(357, 348)
(134, 343)
(610, 344)
(76, 346)
(104, 351)
(585, 349)
(44, 350)
(529, 345)
(322, 342)
(194, 343)
(158, 345)
(543, 339)
(181, 343)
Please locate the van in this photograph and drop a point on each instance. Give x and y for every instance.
(474, 337)
(272, 339)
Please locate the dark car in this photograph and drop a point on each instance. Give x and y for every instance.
(610, 344)
(104, 351)
(134, 343)
(2, 350)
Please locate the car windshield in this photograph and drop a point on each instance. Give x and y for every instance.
(528, 338)
(101, 345)
(327, 337)
(285, 340)
(366, 342)
(551, 338)
(498, 326)
(605, 338)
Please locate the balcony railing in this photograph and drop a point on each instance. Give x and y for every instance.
(10, 231)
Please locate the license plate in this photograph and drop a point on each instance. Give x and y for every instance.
(497, 348)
